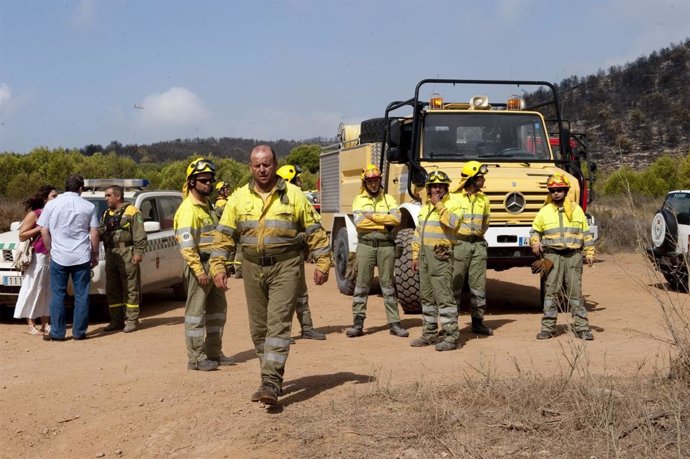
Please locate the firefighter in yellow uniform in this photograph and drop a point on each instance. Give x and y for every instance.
(291, 174)
(205, 311)
(122, 232)
(470, 253)
(560, 234)
(273, 221)
(432, 255)
(376, 215)
(222, 193)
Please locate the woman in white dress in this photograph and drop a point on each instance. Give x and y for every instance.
(34, 295)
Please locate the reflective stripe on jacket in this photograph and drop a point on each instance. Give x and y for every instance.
(437, 225)
(476, 212)
(194, 225)
(383, 207)
(285, 221)
(555, 230)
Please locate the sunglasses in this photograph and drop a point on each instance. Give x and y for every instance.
(205, 181)
(203, 164)
(558, 190)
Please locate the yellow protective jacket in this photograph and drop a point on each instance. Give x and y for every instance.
(285, 221)
(219, 206)
(194, 225)
(475, 211)
(437, 225)
(123, 227)
(555, 230)
(384, 209)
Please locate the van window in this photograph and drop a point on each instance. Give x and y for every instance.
(168, 206)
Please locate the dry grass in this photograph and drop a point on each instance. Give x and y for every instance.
(624, 222)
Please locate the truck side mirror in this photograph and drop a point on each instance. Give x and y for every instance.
(418, 176)
(394, 133)
(395, 155)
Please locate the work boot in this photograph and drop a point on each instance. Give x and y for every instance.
(585, 335)
(132, 320)
(268, 394)
(420, 342)
(398, 330)
(446, 346)
(310, 333)
(357, 328)
(223, 360)
(479, 328)
(544, 335)
(256, 395)
(202, 365)
(117, 319)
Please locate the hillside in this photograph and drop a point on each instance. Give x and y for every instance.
(636, 112)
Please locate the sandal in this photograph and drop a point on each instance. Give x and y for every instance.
(46, 330)
(34, 331)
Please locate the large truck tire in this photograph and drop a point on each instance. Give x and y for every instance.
(372, 130)
(407, 280)
(341, 254)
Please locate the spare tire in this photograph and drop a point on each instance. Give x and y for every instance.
(664, 231)
(372, 130)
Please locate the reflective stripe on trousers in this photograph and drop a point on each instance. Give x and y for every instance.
(438, 302)
(204, 318)
(367, 258)
(565, 279)
(470, 263)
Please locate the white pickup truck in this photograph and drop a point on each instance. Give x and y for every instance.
(162, 264)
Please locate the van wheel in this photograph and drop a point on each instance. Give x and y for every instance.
(407, 280)
(341, 253)
(179, 292)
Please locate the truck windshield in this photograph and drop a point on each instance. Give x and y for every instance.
(484, 135)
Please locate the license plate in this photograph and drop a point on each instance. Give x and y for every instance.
(523, 241)
(12, 281)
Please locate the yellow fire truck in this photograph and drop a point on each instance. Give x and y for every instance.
(505, 131)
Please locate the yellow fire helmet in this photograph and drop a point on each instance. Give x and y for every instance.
(221, 185)
(289, 172)
(372, 171)
(437, 177)
(474, 169)
(558, 180)
(199, 166)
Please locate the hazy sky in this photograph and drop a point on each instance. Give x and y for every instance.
(79, 72)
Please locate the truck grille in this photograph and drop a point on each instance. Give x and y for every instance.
(504, 207)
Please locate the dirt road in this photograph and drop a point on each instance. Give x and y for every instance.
(131, 395)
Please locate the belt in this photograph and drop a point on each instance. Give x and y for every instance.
(561, 251)
(473, 238)
(376, 243)
(270, 260)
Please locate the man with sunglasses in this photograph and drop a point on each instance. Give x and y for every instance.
(273, 221)
(432, 255)
(124, 239)
(205, 311)
(376, 214)
(560, 234)
(470, 252)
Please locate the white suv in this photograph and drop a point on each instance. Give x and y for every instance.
(162, 265)
(670, 236)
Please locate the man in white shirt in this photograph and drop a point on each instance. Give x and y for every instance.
(69, 228)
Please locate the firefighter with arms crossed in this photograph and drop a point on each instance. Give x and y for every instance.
(432, 255)
(470, 250)
(273, 221)
(560, 234)
(291, 174)
(205, 311)
(122, 232)
(376, 214)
